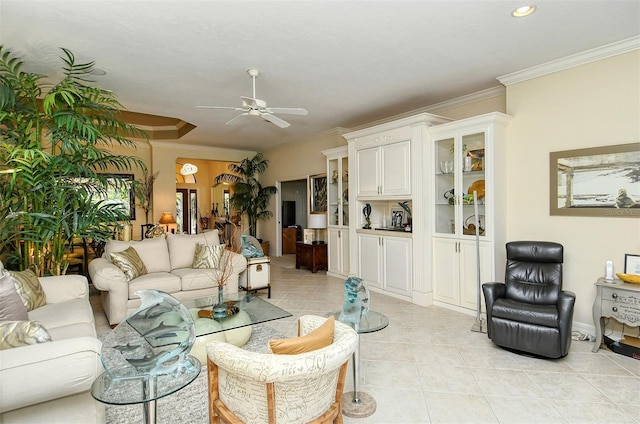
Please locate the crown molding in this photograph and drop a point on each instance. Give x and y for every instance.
(593, 55)
(197, 148)
(488, 93)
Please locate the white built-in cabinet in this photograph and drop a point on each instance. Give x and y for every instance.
(386, 164)
(384, 171)
(338, 211)
(465, 156)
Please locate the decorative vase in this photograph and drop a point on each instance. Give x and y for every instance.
(220, 309)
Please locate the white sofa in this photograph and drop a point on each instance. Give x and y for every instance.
(168, 262)
(50, 382)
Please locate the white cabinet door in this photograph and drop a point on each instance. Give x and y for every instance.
(396, 169)
(397, 262)
(334, 254)
(369, 260)
(338, 255)
(469, 272)
(445, 271)
(344, 252)
(368, 166)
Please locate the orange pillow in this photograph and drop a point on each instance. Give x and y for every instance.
(317, 339)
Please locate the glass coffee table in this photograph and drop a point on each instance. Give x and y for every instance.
(358, 404)
(243, 310)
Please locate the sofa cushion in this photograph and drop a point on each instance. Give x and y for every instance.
(317, 339)
(29, 288)
(129, 262)
(182, 247)
(153, 252)
(195, 279)
(22, 333)
(11, 306)
(163, 281)
(64, 314)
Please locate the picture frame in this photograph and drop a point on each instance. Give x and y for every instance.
(318, 193)
(631, 264)
(121, 192)
(598, 181)
(397, 218)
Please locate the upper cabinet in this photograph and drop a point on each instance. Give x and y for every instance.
(384, 171)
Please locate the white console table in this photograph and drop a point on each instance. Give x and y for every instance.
(615, 299)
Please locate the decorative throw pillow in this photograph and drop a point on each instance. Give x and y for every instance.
(207, 256)
(317, 339)
(11, 306)
(28, 287)
(129, 262)
(22, 333)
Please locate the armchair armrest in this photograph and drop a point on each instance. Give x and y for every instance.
(492, 292)
(46, 371)
(566, 302)
(65, 287)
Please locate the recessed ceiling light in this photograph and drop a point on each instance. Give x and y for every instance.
(523, 11)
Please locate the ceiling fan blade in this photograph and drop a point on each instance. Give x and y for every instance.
(288, 110)
(239, 109)
(275, 120)
(237, 119)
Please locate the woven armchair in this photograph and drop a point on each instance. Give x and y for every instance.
(250, 387)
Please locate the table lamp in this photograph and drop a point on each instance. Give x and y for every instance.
(317, 221)
(166, 219)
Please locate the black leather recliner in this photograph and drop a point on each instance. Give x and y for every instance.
(530, 312)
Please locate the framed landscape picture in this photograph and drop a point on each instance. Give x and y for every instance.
(599, 181)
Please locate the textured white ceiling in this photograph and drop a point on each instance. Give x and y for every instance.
(346, 62)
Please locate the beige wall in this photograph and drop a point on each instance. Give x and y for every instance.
(597, 104)
(294, 162)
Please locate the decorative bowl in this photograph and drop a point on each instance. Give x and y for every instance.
(629, 278)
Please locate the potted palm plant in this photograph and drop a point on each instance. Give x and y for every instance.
(54, 140)
(249, 196)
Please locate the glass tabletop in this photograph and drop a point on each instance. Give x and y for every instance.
(374, 321)
(243, 310)
(139, 390)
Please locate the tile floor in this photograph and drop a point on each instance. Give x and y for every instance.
(427, 366)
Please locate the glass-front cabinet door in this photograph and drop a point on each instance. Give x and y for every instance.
(338, 191)
(459, 172)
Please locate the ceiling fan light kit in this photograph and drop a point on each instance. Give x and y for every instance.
(252, 106)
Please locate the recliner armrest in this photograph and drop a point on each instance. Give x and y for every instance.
(492, 292)
(566, 302)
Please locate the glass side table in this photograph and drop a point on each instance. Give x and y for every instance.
(358, 404)
(145, 390)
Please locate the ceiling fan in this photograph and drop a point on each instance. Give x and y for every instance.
(251, 106)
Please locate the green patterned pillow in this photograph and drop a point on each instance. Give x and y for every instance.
(129, 262)
(207, 256)
(22, 333)
(29, 288)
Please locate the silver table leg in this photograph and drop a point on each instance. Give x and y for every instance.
(357, 404)
(149, 408)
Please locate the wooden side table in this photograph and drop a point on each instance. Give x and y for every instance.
(312, 256)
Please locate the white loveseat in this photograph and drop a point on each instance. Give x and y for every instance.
(50, 382)
(168, 262)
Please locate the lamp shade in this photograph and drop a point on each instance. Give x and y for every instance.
(167, 218)
(317, 220)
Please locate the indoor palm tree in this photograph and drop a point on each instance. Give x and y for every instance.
(54, 140)
(249, 196)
